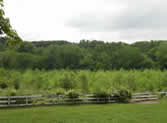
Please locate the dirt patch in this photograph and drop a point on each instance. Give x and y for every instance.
(146, 102)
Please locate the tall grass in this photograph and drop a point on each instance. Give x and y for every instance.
(36, 81)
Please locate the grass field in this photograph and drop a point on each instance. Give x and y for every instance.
(110, 113)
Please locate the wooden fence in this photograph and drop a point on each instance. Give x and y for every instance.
(148, 96)
(17, 101)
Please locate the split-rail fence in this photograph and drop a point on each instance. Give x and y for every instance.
(37, 100)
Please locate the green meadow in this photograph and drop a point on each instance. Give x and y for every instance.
(109, 113)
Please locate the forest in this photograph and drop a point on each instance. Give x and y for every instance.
(85, 55)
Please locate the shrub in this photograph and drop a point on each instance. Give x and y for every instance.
(16, 85)
(68, 81)
(60, 91)
(3, 85)
(73, 94)
(12, 92)
(102, 93)
(162, 95)
(123, 95)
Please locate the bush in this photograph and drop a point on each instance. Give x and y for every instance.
(3, 85)
(60, 91)
(162, 95)
(68, 81)
(102, 93)
(16, 85)
(12, 92)
(123, 95)
(73, 94)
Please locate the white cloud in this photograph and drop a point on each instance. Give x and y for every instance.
(73, 20)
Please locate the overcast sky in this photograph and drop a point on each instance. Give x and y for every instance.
(73, 20)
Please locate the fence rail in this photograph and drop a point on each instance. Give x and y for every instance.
(35, 100)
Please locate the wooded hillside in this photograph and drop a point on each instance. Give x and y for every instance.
(92, 55)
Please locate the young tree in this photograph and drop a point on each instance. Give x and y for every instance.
(6, 29)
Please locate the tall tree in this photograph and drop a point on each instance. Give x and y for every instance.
(6, 29)
(161, 55)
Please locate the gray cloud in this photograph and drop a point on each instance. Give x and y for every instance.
(136, 15)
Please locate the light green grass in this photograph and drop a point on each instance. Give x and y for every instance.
(110, 113)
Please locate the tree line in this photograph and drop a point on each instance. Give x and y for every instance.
(92, 55)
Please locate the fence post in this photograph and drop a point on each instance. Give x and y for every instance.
(109, 99)
(8, 100)
(85, 99)
(44, 100)
(26, 100)
(58, 101)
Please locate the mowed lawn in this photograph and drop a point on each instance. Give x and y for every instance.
(109, 113)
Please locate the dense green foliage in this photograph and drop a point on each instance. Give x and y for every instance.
(6, 30)
(92, 55)
(113, 113)
(84, 81)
